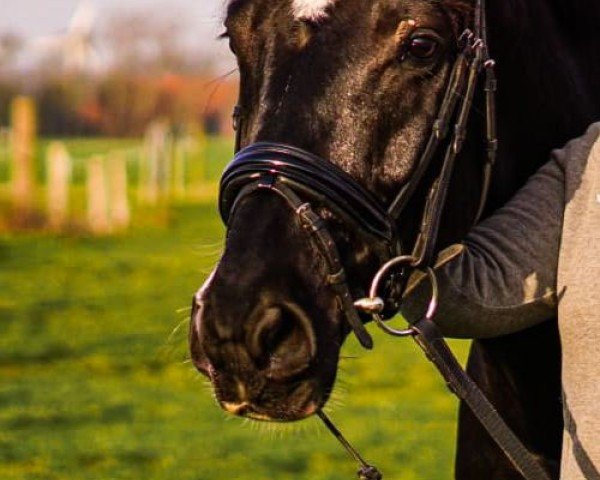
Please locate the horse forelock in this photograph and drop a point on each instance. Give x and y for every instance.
(303, 10)
(311, 10)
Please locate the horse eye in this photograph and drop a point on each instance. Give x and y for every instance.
(423, 48)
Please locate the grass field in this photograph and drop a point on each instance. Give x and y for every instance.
(94, 382)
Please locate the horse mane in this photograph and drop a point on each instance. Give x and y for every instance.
(542, 47)
(581, 17)
(566, 59)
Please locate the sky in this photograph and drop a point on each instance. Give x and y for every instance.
(36, 18)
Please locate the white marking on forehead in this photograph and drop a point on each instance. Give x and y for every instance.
(312, 10)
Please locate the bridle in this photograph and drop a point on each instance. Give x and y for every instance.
(302, 179)
(297, 176)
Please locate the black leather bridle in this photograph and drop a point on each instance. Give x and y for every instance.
(302, 180)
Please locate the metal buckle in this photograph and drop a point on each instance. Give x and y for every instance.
(374, 304)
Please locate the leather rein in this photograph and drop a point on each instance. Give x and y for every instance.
(301, 179)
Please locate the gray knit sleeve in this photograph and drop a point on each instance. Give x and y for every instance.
(503, 277)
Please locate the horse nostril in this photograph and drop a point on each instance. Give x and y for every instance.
(282, 341)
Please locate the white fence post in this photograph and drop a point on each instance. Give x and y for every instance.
(154, 164)
(120, 213)
(97, 196)
(58, 173)
(24, 131)
(180, 154)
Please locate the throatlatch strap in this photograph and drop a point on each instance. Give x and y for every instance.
(431, 341)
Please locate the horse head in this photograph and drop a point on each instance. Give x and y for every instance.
(356, 83)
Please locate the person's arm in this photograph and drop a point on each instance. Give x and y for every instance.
(502, 278)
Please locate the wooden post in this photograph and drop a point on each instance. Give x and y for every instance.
(120, 214)
(153, 164)
(58, 172)
(24, 127)
(143, 171)
(203, 155)
(166, 165)
(97, 197)
(198, 166)
(180, 150)
(4, 145)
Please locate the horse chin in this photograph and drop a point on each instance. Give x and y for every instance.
(275, 403)
(277, 415)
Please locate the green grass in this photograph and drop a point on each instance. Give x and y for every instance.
(94, 383)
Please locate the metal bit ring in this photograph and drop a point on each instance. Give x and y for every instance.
(380, 276)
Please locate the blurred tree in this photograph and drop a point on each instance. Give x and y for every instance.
(126, 104)
(151, 69)
(10, 44)
(8, 90)
(149, 43)
(66, 106)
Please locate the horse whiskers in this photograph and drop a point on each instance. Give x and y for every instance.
(337, 394)
(204, 382)
(199, 248)
(216, 83)
(176, 329)
(219, 243)
(204, 249)
(349, 357)
(341, 382)
(338, 391)
(209, 254)
(329, 408)
(279, 430)
(205, 272)
(191, 369)
(339, 388)
(220, 78)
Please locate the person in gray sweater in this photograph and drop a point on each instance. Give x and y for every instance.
(536, 257)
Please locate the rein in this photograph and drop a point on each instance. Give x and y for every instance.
(300, 178)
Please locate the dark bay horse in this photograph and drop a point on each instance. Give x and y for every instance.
(343, 80)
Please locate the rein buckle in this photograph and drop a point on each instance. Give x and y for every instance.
(370, 305)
